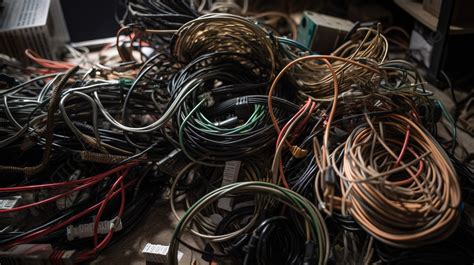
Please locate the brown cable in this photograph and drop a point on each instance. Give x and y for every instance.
(421, 210)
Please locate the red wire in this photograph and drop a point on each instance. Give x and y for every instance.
(66, 183)
(97, 246)
(40, 233)
(132, 40)
(282, 176)
(303, 123)
(106, 201)
(51, 199)
(420, 164)
(404, 147)
(47, 63)
(283, 130)
(91, 182)
(417, 174)
(308, 104)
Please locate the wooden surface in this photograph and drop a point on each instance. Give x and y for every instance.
(415, 9)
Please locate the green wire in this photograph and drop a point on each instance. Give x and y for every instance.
(181, 138)
(450, 119)
(247, 126)
(297, 199)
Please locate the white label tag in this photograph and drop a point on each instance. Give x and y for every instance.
(158, 253)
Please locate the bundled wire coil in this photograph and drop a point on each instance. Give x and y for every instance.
(315, 81)
(225, 32)
(315, 227)
(249, 170)
(162, 13)
(399, 184)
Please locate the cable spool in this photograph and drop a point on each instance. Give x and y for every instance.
(225, 32)
(315, 227)
(400, 184)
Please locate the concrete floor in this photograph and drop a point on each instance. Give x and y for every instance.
(157, 226)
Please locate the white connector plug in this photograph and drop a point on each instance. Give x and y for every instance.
(87, 230)
(157, 253)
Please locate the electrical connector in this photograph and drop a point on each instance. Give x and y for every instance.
(243, 109)
(173, 163)
(10, 202)
(171, 155)
(227, 122)
(208, 253)
(330, 176)
(125, 82)
(37, 254)
(27, 254)
(69, 200)
(298, 152)
(309, 253)
(7, 203)
(230, 175)
(157, 253)
(64, 257)
(87, 230)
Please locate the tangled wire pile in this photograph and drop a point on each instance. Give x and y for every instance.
(277, 155)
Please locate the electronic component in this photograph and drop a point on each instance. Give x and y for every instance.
(172, 163)
(231, 174)
(158, 253)
(38, 25)
(9, 202)
(322, 33)
(87, 230)
(69, 200)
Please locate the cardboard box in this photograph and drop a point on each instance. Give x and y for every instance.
(322, 33)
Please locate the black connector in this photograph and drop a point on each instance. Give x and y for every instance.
(309, 253)
(239, 245)
(208, 254)
(329, 176)
(250, 249)
(243, 109)
(8, 81)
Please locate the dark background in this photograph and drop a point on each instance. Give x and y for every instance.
(90, 19)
